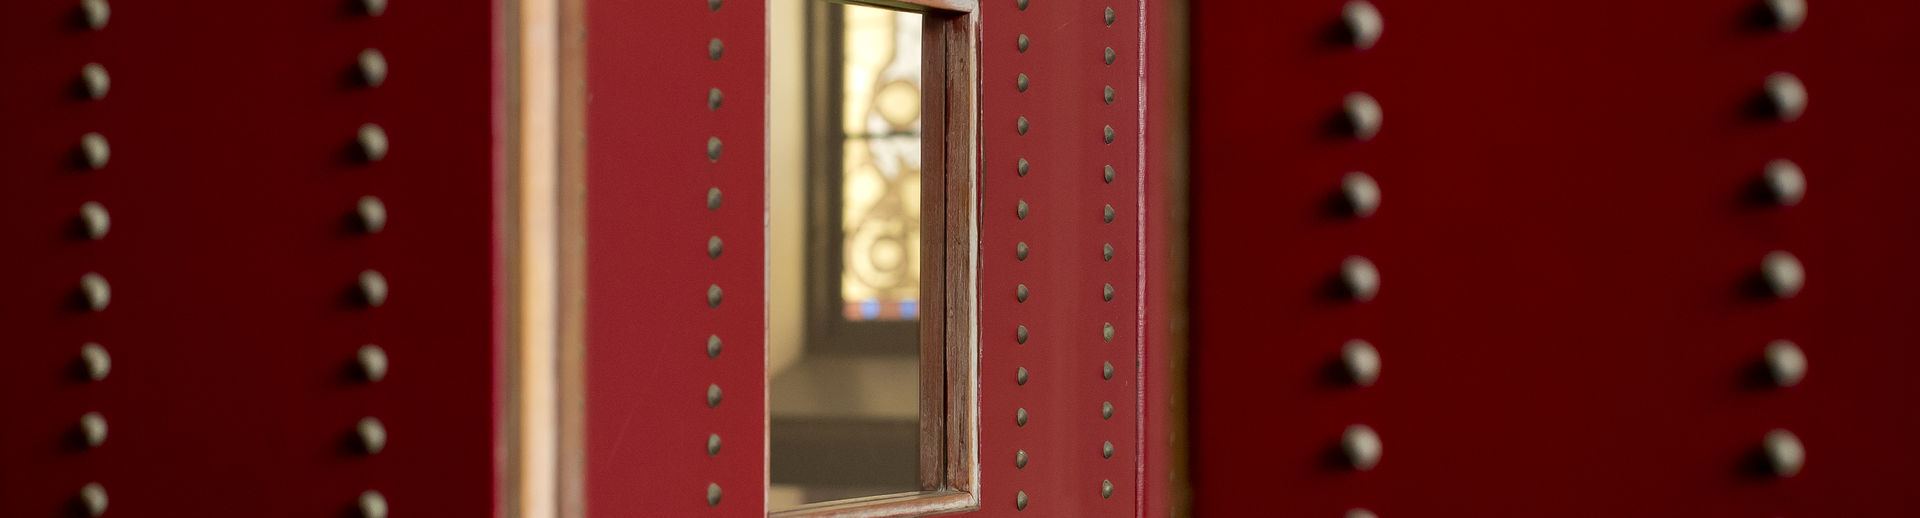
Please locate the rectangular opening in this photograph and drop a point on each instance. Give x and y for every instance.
(870, 257)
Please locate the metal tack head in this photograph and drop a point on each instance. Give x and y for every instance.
(1786, 185)
(373, 7)
(1024, 42)
(1361, 194)
(1021, 210)
(95, 292)
(1020, 417)
(94, 151)
(1020, 498)
(1783, 274)
(713, 198)
(93, 429)
(1786, 96)
(94, 220)
(1106, 489)
(1363, 115)
(1361, 513)
(1106, 331)
(1020, 459)
(373, 288)
(713, 5)
(95, 361)
(1106, 410)
(1361, 446)
(713, 296)
(94, 81)
(1106, 370)
(1786, 364)
(1361, 362)
(1109, 16)
(1786, 15)
(1106, 449)
(713, 346)
(715, 247)
(1020, 250)
(1022, 82)
(1784, 453)
(714, 98)
(716, 49)
(1360, 279)
(1021, 125)
(1106, 292)
(1107, 215)
(95, 13)
(713, 444)
(1020, 334)
(713, 396)
(1021, 3)
(373, 504)
(1107, 174)
(1107, 95)
(372, 67)
(1020, 376)
(372, 435)
(1106, 134)
(372, 363)
(713, 149)
(371, 214)
(1020, 293)
(1363, 24)
(373, 142)
(93, 499)
(713, 495)
(1023, 166)
(1109, 56)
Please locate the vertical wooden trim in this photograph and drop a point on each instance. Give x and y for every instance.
(571, 136)
(530, 246)
(959, 49)
(934, 299)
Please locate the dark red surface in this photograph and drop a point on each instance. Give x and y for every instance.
(1562, 245)
(647, 321)
(231, 262)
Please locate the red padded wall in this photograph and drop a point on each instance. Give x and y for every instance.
(650, 68)
(1566, 246)
(230, 185)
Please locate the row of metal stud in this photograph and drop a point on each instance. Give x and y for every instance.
(1362, 27)
(1781, 272)
(1020, 252)
(1107, 217)
(716, 49)
(371, 215)
(95, 292)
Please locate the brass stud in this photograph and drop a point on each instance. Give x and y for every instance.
(1363, 24)
(373, 288)
(714, 98)
(1020, 334)
(94, 151)
(95, 291)
(1361, 194)
(713, 444)
(93, 496)
(373, 504)
(95, 361)
(372, 363)
(1020, 293)
(371, 214)
(1020, 376)
(1020, 459)
(714, 247)
(1020, 417)
(1107, 175)
(1023, 167)
(373, 142)
(1108, 96)
(1783, 274)
(95, 13)
(713, 296)
(1106, 450)
(713, 346)
(1107, 215)
(1106, 410)
(713, 149)
(373, 7)
(715, 49)
(1361, 362)
(1106, 292)
(1786, 185)
(94, 81)
(1021, 82)
(93, 429)
(1109, 16)
(1021, 211)
(713, 495)
(1361, 513)
(1786, 96)
(1363, 115)
(1106, 371)
(1106, 331)
(1024, 42)
(1022, 4)
(1106, 252)
(1109, 56)
(713, 198)
(372, 435)
(1360, 278)
(713, 5)
(1106, 489)
(373, 67)
(1106, 135)
(94, 220)
(1786, 15)
(1022, 125)
(1784, 453)
(1361, 446)
(1786, 364)
(1020, 499)
(713, 396)
(1020, 251)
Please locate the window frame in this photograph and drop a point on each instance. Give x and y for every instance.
(949, 237)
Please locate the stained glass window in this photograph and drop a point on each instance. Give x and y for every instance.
(880, 168)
